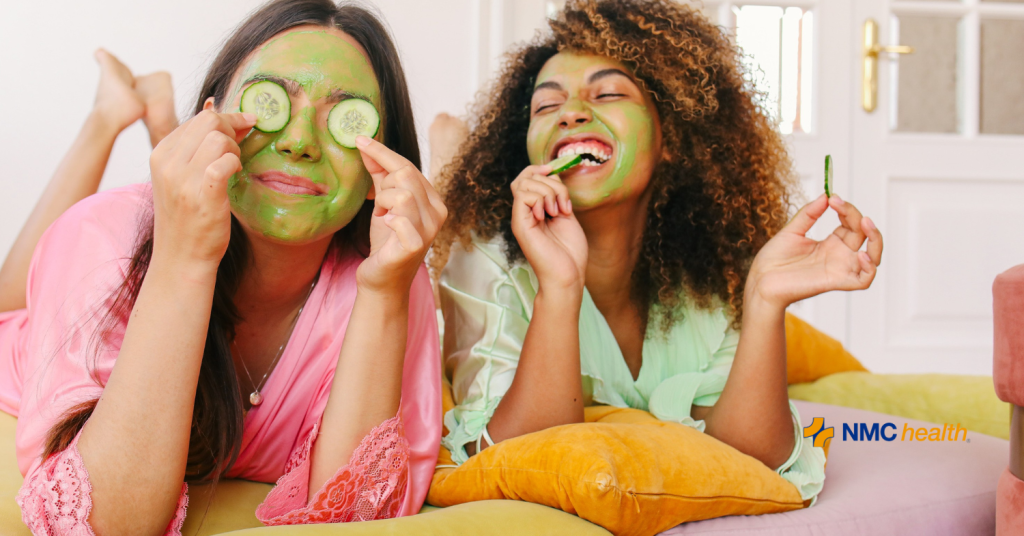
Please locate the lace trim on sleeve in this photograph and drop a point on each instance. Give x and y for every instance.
(56, 498)
(371, 486)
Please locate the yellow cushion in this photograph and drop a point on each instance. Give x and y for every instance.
(625, 471)
(810, 354)
(970, 401)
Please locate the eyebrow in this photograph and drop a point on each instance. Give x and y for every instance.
(548, 85)
(607, 72)
(603, 73)
(293, 88)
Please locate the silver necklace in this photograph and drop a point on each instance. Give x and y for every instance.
(255, 397)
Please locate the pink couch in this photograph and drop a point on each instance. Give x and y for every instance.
(1008, 375)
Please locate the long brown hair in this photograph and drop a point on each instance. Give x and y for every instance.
(216, 434)
(716, 200)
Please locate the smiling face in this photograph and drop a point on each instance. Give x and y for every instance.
(298, 185)
(591, 105)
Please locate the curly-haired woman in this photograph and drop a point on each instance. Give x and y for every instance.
(654, 275)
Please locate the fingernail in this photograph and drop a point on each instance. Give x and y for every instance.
(569, 202)
(870, 224)
(863, 255)
(362, 141)
(839, 200)
(249, 118)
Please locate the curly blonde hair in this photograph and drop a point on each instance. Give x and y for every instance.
(716, 200)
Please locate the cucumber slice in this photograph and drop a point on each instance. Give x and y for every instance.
(828, 175)
(559, 165)
(270, 102)
(350, 118)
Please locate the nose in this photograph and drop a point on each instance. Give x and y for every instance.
(574, 115)
(299, 141)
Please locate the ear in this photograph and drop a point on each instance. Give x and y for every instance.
(209, 104)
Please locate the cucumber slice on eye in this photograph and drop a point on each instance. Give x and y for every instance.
(270, 102)
(561, 164)
(350, 118)
(828, 175)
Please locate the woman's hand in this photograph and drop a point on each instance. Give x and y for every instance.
(792, 267)
(407, 215)
(555, 247)
(190, 170)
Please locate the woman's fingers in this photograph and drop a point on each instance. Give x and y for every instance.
(379, 160)
(407, 233)
(216, 178)
(561, 192)
(875, 242)
(808, 215)
(399, 202)
(234, 126)
(548, 189)
(214, 146)
(531, 201)
(850, 218)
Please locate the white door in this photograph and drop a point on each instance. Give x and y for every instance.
(938, 164)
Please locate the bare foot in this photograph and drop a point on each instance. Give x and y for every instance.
(116, 103)
(157, 94)
(446, 134)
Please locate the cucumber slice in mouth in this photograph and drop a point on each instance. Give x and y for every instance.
(559, 165)
(270, 103)
(828, 175)
(350, 118)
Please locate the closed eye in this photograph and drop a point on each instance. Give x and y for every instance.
(603, 95)
(544, 107)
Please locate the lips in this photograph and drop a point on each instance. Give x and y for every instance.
(594, 149)
(289, 184)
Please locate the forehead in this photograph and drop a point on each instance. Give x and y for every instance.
(576, 67)
(320, 59)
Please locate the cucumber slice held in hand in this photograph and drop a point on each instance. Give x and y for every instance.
(350, 118)
(561, 164)
(828, 175)
(270, 103)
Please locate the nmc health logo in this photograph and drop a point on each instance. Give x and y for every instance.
(861, 431)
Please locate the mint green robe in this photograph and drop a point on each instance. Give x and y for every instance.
(487, 306)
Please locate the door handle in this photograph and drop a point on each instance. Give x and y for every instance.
(870, 52)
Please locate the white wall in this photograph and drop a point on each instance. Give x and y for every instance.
(49, 78)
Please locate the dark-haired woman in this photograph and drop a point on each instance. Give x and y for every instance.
(623, 280)
(259, 311)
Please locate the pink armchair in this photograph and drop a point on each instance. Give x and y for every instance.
(1008, 375)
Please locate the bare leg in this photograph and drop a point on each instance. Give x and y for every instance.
(446, 135)
(78, 176)
(157, 93)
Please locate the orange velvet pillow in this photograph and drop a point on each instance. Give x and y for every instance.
(810, 354)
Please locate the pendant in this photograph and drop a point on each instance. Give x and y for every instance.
(255, 398)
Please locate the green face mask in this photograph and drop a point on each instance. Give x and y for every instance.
(591, 105)
(298, 185)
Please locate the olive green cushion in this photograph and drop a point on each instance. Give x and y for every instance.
(10, 481)
(470, 519)
(940, 398)
(234, 506)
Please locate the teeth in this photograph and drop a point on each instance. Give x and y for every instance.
(592, 149)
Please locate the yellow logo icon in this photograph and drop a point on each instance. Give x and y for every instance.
(822, 438)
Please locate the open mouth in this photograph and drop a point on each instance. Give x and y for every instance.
(593, 151)
(289, 184)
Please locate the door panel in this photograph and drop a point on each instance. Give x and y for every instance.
(949, 200)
